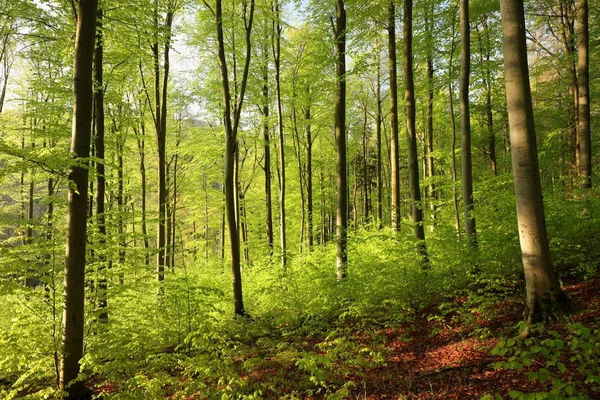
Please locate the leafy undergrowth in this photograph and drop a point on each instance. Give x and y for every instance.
(463, 349)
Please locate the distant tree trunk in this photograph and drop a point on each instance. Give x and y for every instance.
(309, 175)
(7, 61)
(430, 89)
(74, 276)
(160, 121)
(267, 150)
(365, 168)
(465, 125)
(173, 236)
(378, 134)
(394, 151)
(453, 143)
(484, 59)
(411, 134)
(340, 141)
(231, 127)
(277, 29)
(100, 168)
(584, 132)
(120, 199)
(141, 135)
(545, 298)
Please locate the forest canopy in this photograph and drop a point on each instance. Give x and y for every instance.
(299, 199)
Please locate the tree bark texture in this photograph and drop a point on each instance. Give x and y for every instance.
(545, 298)
(100, 167)
(465, 125)
(340, 141)
(584, 131)
(394, 150)
(411, 134)
(74, 277)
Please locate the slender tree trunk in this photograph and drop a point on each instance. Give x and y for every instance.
(584, 132)
(277, 58)
(231, 127)
(545, 298)
(173, 236)
(267, 149)
(142, 153)
(378, 134)
(453, 145)
(340, 141)
(395, 156)
(465, 125)
(309, 176)
(74, 276)
(411, 134)
(430, 89)
(365, 168)
(100, 168)
(120, 200)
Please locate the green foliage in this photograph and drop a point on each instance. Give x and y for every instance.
(567, 362)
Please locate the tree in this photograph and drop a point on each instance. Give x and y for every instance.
(276, 45)
(231, 125)
(394, 151)
(465, 125)
(583, 122)
(544, 298)
(411, 134)
(100, 164)
(74, 281)
(340, 141)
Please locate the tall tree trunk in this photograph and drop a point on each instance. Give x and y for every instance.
(231, 128)
(141, 139)
(160, 120)
(411, 134)
(465, 125)
(340, 141)
(365, 168)
(484, 59)
(120, 199)
(584, 132)
(394, 151)
(74, 276)
(100, 168)
(430, 89)
(267, 150)
(277, 58)
(545, 298)
(453, 143)
(309, 176)
(378, 134)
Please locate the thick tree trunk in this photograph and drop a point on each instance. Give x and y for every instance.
(465, 125)
(74, 276)
(394, 150)
(411, 134)
(584, 132)
(545, 298)
(340, 141)
(100, 168)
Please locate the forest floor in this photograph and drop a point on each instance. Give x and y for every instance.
(443, 352)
